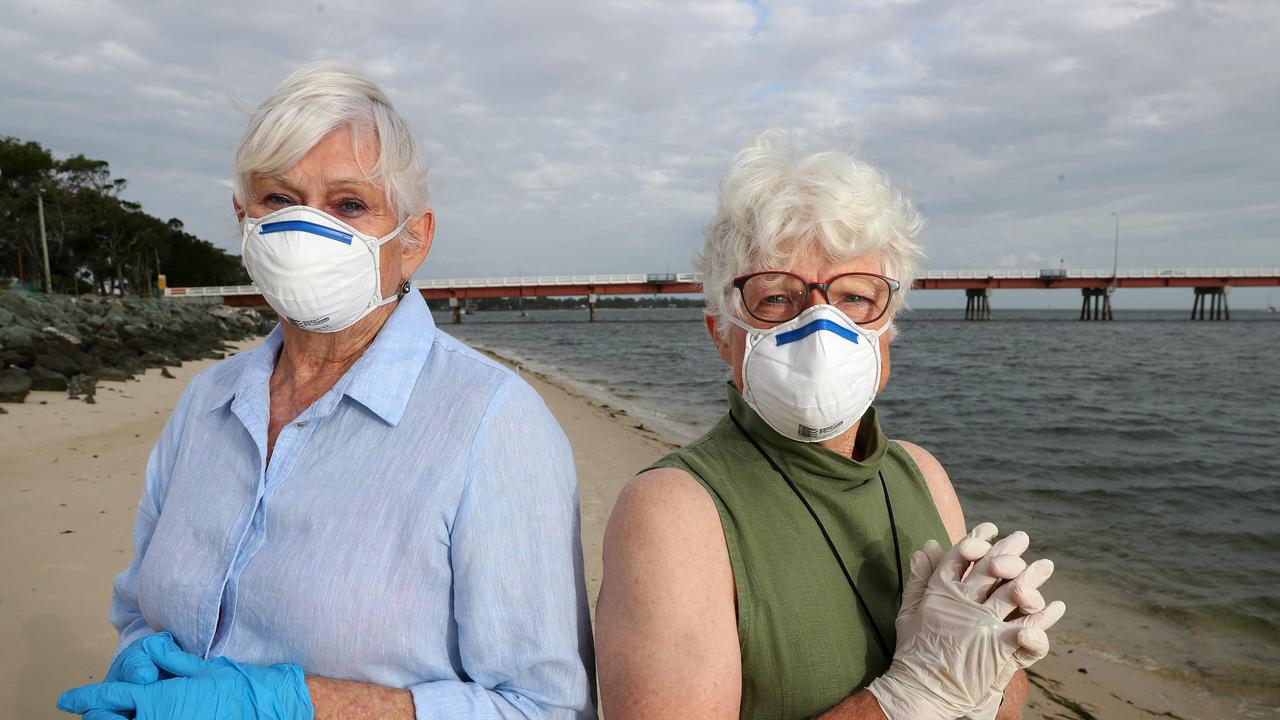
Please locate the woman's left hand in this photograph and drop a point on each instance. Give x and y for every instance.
(218, 689)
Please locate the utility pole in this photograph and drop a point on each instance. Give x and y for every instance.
(1115, 263)
(44, 243)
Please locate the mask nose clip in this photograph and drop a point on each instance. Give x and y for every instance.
(819, 325)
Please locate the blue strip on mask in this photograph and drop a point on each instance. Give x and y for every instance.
(801, 333)
(307, 227)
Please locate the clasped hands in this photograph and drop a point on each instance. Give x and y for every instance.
(961, 637)
(153, 679)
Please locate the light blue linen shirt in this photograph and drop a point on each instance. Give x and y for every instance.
(417, 527)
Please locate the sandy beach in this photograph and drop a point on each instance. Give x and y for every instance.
(72, 474)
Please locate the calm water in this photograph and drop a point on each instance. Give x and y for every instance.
(1143, 455)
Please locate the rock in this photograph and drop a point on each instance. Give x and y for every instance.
(82, 385)
(62, 335)
(111, 357)
(160, 358)
(164, 373)
(16, 359)
(45, 379)
(14, 385)
(111, 374)
(187, 351)
(17, 337)
(136, 330)
(3, 411)
(59, 362)
(115, 337)
(109, 343)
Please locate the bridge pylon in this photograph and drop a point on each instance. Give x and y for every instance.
(977, 305)
(1217, 301)
(1101, 301)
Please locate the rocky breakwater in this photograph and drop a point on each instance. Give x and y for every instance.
(61, 342)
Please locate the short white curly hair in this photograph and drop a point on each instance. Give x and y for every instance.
(317, 99)
(776, 205)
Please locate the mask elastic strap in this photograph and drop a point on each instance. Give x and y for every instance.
(878, 331)
(405, 288)
(749, 329)
(389, 299)
(391, 235)
(399, 293)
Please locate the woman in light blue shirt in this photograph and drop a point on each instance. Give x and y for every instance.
(361, 516)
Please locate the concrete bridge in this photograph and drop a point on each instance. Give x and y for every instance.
(1209, 286)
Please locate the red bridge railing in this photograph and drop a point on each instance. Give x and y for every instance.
(1096, 286)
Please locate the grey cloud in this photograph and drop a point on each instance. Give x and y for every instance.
(589, 137)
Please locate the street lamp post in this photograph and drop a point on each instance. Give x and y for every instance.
(1115, 262)
(44, 243)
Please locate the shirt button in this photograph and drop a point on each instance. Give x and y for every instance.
(300, 425)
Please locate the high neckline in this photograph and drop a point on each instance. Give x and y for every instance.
(811, 459)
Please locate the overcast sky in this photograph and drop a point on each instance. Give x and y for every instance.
(589, 137)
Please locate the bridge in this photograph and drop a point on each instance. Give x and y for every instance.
(1209, 286)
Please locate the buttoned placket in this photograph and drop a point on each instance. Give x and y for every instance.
(290, 444)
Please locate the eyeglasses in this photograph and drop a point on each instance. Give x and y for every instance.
(774, 296)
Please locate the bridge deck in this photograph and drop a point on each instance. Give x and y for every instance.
(687, 283)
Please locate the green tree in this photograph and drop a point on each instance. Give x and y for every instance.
(97, 239)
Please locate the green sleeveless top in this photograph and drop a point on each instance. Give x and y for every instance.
(805, 641)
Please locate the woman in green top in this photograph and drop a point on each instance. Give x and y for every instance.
(767, 569)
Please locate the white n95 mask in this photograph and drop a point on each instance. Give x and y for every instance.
(319, 273)
(812, 377)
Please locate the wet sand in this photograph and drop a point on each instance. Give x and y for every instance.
(70, 475)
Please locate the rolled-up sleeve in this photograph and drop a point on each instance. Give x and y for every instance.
(524, 633)
(125, 613)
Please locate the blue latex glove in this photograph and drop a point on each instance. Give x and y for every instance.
(134, 663)
(217, 689)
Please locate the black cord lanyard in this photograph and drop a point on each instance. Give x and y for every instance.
(893, 529)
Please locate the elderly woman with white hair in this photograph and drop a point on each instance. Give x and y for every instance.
(361, 517)
(766, 570)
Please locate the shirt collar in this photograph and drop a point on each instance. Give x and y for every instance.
(257, 366)
(384, 377)
(381, 380)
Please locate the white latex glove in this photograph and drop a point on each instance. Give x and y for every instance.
(1021, 594)
(1000, 561)
(955, 650)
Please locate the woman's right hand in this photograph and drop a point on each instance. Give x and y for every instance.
(959, 642)
(192, 688)
(134, 663)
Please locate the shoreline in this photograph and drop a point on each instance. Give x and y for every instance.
(74, 473)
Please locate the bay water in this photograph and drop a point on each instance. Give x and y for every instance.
(1142, 455)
